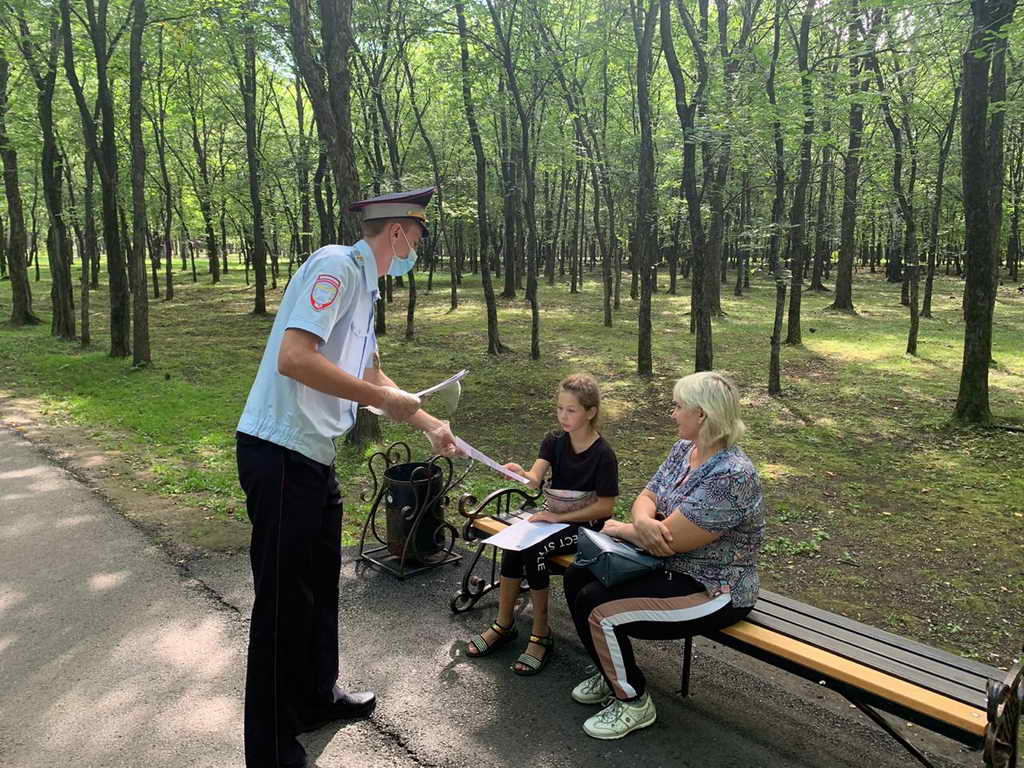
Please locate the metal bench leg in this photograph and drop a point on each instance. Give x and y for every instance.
(684, 683)
(473, 587)
(1005, 703)
(884, 725)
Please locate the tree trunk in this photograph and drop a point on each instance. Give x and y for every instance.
(33, 256)
(440, 230)
(1013, 250)
(903, 142)
(822, 242)
(775, 361)
(587, 138)
(223, 238)
(90, 257)
(933, 235)
(798, 213)
(775, 354)
(990, 17)
(43, 71)
(731, 60)
(645, 17)
(336, 31)
(546, 245)
(203, 186)
(105, 153)
(504, 37)
(247, 84)
(160, 138)
(997, 98)
(332, 103)
(859, 84)
(699, 311)
(575, 245)
(508, 184)
(410, 314)
(742, 247)
(494, 345)
(140, 297)
(302, 175)
(17, 243)
(323, 214)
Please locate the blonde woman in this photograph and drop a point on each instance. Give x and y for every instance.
(702, 511)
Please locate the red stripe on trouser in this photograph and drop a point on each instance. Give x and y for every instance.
(606, 617)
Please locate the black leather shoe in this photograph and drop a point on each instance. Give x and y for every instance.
(346, 706)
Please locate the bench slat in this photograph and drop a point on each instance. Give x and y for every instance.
(958, 714)
(815, 628)
(969, 666)
(973, 696)
(489, 525)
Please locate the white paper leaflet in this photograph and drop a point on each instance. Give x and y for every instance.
(483, 458)
(523, 535)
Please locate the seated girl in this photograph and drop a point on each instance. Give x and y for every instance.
(580, 460)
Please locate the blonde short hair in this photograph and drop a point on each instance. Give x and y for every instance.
(716, 395)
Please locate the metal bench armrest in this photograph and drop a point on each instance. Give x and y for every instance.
(500, 502)
(1005, 702)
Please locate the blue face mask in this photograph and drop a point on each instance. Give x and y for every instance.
(401, 266)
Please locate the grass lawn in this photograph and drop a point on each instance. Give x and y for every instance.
(877, 509)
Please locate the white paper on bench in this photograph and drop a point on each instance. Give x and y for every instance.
(523, 535)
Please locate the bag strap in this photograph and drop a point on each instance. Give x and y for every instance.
(585, 562)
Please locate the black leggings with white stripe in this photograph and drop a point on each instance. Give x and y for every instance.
(657, 606)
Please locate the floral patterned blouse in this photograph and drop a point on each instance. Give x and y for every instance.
(721, 495)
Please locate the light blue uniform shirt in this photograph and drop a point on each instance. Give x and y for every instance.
(331, 295)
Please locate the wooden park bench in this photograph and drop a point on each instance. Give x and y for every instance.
(970, 702)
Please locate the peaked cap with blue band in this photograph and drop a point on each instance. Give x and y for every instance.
(397, 205)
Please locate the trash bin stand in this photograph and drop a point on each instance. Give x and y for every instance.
(413, 497)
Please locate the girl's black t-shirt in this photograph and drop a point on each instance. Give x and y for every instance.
(596, 469)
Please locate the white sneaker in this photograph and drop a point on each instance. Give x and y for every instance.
(593, 690)
(620, 718)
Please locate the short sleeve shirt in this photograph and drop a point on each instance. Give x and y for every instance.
(331, 296)
(722, 495)
(595, 469)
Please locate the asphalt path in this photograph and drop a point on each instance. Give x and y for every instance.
(112, 654)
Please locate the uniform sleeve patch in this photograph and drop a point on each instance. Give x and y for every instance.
(325, 291)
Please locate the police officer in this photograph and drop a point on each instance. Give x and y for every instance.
(320, 362)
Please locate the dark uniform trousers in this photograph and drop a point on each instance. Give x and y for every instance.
(294, 504)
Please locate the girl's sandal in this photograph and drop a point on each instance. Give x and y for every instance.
(480, 646)
(532, 663)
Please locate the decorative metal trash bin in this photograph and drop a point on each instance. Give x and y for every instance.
(412, 501)
(414, 496)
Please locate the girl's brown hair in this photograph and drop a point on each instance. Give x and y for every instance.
(584, 388)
